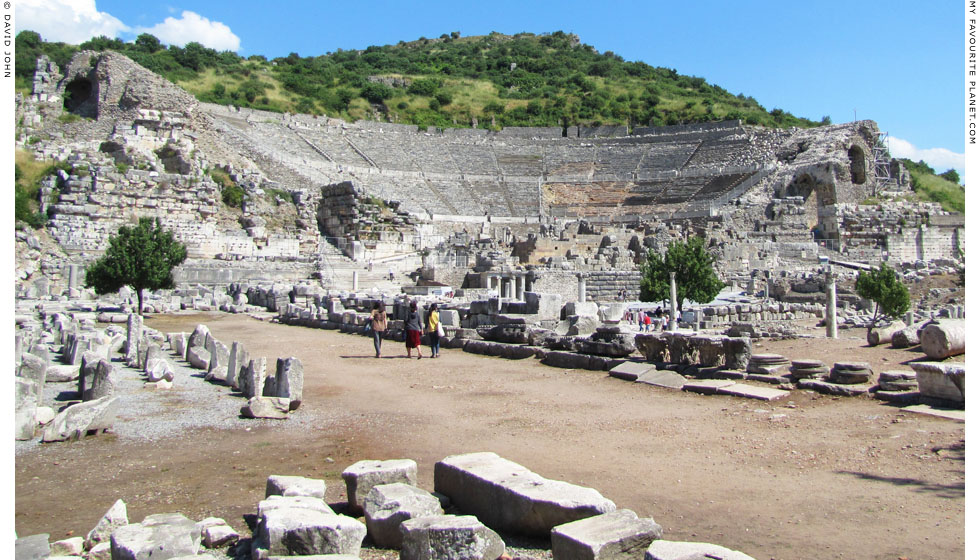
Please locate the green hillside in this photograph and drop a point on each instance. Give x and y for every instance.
(943, 188)
(499, 80)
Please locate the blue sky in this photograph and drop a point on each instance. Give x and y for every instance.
(897, 62)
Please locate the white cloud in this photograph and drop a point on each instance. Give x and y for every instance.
(68, 21)
(939, 159)
(193, 27)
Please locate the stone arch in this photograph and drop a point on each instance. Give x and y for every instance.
(859, 166)
(77, 93)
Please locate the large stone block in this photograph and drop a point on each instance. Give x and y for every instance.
(362, 476)
(34, 368)
(199, 357)
(266, 407)
(289, 381)
(198, 337)
(218, 361)
(293, 531)
(237, 357)
(283, 485)
(251, 378)
(449, 537)
(76, 420)
(162, 535)
(941, 380)
(388, 505)
(617, 535)
(510, 498)
(302, 502)
(34, 547)
(25, 408)
(103, 381)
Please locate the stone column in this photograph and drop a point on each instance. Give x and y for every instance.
(505, 286)
(831, 315)
(134, 332)
(485, 280)
(909, 318)
(72, 276)
(354, 282)
(581, 288)
(672, 322)
(519, 279)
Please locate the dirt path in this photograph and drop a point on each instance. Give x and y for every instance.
(809, 477)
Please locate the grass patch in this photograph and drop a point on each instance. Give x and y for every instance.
(932, 188)
(28, 174)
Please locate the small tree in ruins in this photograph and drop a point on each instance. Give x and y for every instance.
(141, 257)
(883, 286)
(695, 274)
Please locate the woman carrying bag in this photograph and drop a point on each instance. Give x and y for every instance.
(434, 328)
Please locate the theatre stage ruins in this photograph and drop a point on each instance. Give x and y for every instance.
(519, 209)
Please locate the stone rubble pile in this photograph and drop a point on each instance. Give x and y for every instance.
(487, 493)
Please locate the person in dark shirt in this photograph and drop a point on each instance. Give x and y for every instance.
(413, 330)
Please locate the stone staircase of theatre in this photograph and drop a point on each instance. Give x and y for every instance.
(337, 272)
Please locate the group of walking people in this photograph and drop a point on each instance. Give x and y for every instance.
(416, 325)
(650, 320)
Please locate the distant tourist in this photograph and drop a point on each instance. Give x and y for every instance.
(413, 330)
(659, 315)
(433, 327)
(647, 321)
(379, 324)
(391, 274)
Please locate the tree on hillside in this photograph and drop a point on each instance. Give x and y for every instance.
(951, 175)
(695, 274)
(141, 257)
(883, 286)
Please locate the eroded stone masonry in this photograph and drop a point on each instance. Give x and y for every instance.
(323, 197)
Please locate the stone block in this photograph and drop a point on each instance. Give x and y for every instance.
(198, 337)
(630, 371)
(753, 392)
(103, 381)
(25, 408)
(362, 476)
(941, 380)
(289, 381)
(266, 407)
(303, 502)
(76, 420)
(162, 535)
(663, 378)
(218, 361)
(388, 505)
(199, 357)
(282, 485)
(114, 518)
(510, 498)
(294, 531)
(707, 386)
(617, 535)
(586, 309)
(34, 547)
(676, 550)
(445, 537)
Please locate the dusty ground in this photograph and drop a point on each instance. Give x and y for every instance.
(807, 477)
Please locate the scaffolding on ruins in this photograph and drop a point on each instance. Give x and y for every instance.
(881, 163)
